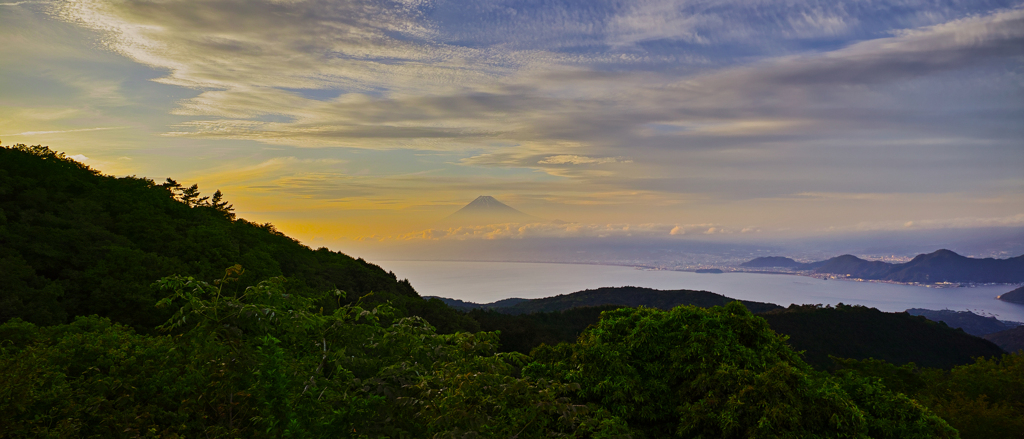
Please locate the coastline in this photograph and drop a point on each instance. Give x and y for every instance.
(726, 269)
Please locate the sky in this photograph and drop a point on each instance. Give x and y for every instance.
(361, 122)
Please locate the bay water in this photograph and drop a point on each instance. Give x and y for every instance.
(485, 282)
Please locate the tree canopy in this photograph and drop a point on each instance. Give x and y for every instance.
(721, 373)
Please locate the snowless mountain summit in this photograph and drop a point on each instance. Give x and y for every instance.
(486, 210)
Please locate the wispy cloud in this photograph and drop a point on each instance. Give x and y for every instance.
(944, 223)
(388, 77)
(572, 159)
(572, 230)
(538, 230)
(668, 231)
(78, 130)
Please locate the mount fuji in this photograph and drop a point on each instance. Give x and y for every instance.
(486, 210)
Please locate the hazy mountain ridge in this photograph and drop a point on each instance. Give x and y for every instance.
(463, 305)
(622, 296)
(855, 267)
(970, 322)
(939, 266)
(860, 332)
(1011, 340)
(777, 262)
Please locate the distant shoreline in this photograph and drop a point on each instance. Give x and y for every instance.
(727, 270)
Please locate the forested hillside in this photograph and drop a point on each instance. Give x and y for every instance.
(74, 242)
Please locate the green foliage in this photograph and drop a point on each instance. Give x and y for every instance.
(718, 372)
(260, 361)
(91, 378)
(981, 400)
(893, 415)
(523, 332)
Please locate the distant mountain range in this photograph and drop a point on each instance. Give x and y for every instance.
(935, 267)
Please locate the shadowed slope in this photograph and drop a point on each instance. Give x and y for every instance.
(860, 332)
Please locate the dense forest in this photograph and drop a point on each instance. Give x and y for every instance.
(137, 309)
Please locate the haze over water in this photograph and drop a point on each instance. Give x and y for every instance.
(485, 282)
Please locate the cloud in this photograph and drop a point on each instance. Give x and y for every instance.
(35, 133)
(535, 230)
(911, 53)
(561, 230)
(572, 159)
(629, 26)
(660, 230)
(943, 223)
(399, 75)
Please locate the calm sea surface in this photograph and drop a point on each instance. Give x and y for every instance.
(484, 282)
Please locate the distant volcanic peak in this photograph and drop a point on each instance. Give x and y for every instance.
(486, 210)
(487, 203)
